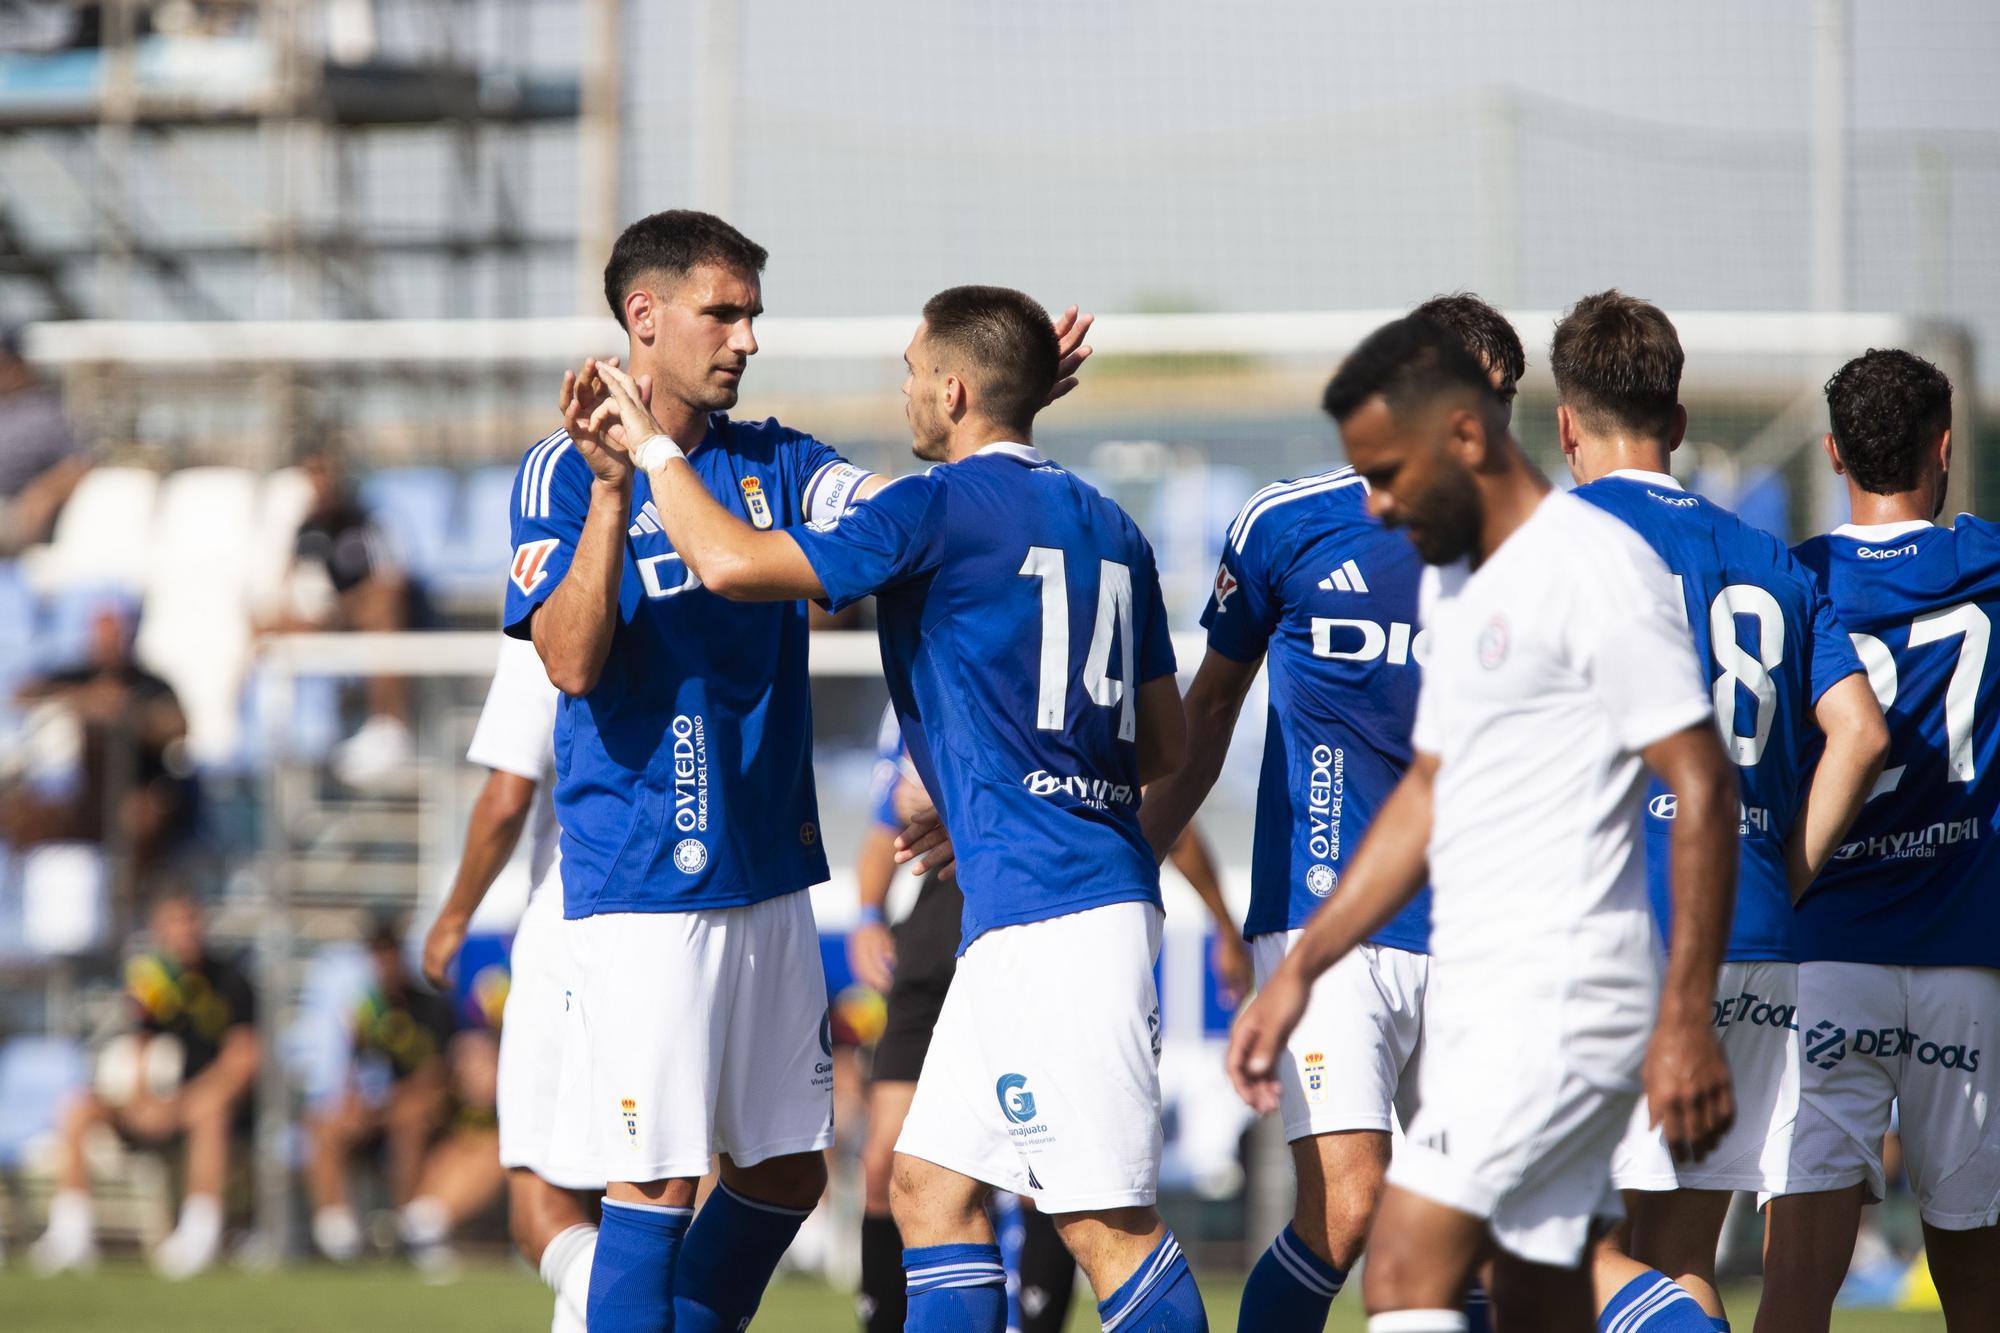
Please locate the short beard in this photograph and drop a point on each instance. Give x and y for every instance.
(1450, 514)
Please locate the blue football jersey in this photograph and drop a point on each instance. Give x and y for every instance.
(1917, 883)
(1771, 645)
(887, 774)
(1309, 578)
(684, 778)
(1019, 612)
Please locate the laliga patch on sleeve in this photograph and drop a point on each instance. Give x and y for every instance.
(1225, 585)
(531, 561)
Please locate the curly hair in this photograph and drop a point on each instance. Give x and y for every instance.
(1888, 407)
(1485, 333)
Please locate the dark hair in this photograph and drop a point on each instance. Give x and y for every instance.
(1408, 362)
(1887, 406)
(674, 242)
(1615, 356)
(1008, 343)
(1484, 331)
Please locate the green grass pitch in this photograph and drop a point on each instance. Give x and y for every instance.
(387, 1299)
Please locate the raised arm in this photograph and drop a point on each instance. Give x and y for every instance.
(1388, 871)
(1857, 744)
(572, 627)
(1687, 1081)
(731, 558)
(1213, 702)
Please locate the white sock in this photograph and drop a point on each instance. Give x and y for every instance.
(70, 1216)
(1417, 1321)
(201, 1217)
(337, 1233)
(424, 1223)
(566, 1264)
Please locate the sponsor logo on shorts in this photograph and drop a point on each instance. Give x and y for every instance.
(690, 746)
(1749, 1007)
(1826, 1044)
(1153, 1032)
(1493, 643)
(1097, 793)
(1313, 1071)
(1912, 843)
(1326, 793)
(823, 1068)
(628, 1110)
(690, 856)
(1017, 1103)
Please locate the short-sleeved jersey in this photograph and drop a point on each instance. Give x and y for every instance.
(1551, 667)
(198, 1004)
(1917, 883)
(684, 777)
(516, 734)
(1770, 645)
(1019, 612)
(1329, 596)
(405, 1031)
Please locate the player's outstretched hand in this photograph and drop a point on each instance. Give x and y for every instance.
(1687, 1086)
(1071, 328)
(441, 945)
(871, 953)
(1259, 1037)
(585, 417)
(925, 843)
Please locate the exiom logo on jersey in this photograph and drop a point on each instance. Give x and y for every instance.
(1345, 579)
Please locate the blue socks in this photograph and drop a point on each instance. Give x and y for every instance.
(1721, 1325)
(632, 1276)
(955, 1289)
(1290, 1288)
(1654, 1303)
(1478, 1309)
(1160, 1297)
(731, 1252)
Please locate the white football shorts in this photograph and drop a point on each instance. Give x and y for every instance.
(695, 1033)
(1043, 1076)
(1352, 1062)
(1756, 1023)
(531, 1044)
(1925, 1039)
(1526, 1087)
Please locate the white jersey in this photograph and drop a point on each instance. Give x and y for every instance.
(1551, 666)
(516, 734)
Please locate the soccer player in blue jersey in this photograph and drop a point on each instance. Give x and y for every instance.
(1899, 983)
(1788, 688)
(1027, 653)
(684, 790)
(1316, 587)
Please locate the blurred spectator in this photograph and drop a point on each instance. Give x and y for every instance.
(133, 783)
(183, 1077)
(462, 1175)
(343, 576)
(40, 461)
(397, 1094)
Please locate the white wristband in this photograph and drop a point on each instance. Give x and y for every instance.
(657, 452)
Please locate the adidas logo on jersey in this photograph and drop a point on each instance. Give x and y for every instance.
(647, 523)
(1345, 579)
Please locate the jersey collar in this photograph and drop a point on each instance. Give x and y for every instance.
(1882, 532)
(1649, 478)
(1020, 453)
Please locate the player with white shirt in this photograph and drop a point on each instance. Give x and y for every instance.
(554, 1228)
(1807, 738)
(1559, 671)
(1899, 987)
(1315, 590)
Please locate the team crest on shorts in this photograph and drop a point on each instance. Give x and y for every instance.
(689, 856)
(629, 1111)
(1493, 643)
(1314, 1071)
(754, 501)
(1320, 879)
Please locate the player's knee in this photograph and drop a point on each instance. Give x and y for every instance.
(1334, 1222)
(793, 1181)
(927, 1201)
